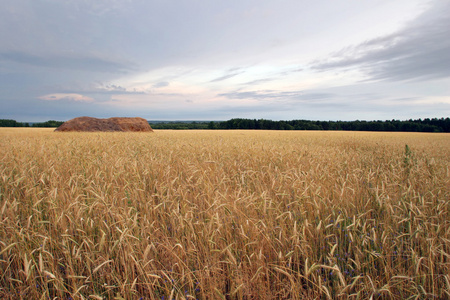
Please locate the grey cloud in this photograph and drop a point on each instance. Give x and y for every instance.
(285, 73)
(67, 62)
(420, 51)
(278, 95)
(273, 76)
(94, 89)
(316, 96)
(160, 84)
(258, 95)
(227, 76)
(259, 81)
(112, 90)
(407, 100)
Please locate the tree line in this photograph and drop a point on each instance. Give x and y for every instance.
(14, 123)
(418, 125)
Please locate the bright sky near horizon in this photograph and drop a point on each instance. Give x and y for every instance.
(216, 60)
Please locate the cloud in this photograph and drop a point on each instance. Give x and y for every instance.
(259, 81)
(420, 51)
(160, 84)
(98, 88)
(258, 95)
(111, 89)
(66, 97)
(278, 95)
(229, 74)
(67, 62)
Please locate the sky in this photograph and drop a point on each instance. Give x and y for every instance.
(217, 60)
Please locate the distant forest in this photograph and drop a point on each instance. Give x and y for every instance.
(419, 125)
(14, 123)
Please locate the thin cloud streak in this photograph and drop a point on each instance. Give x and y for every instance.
(225, 77)
(67, 62)
(66, 97)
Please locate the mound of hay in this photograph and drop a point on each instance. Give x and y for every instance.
(112, 124)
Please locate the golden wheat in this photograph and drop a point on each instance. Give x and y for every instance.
(224, 214)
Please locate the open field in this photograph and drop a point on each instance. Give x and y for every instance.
(224, 214)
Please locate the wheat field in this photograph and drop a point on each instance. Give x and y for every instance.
(224, 215)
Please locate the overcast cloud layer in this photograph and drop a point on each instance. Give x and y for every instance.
(215, 60)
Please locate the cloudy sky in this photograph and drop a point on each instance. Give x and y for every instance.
(216, 60)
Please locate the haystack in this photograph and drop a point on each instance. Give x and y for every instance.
(112, 124)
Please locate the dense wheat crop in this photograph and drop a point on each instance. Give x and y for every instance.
(224, 214)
